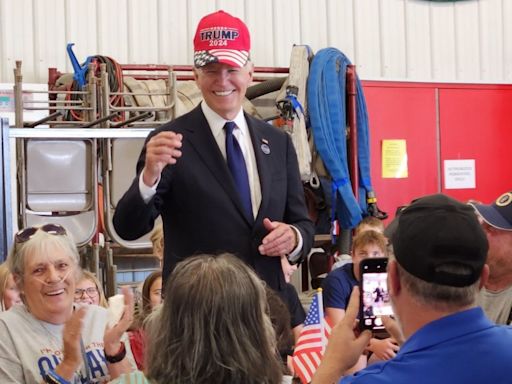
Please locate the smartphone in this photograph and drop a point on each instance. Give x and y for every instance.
(375, 301)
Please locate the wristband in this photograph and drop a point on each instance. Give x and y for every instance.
(120, 354)
(53, 377)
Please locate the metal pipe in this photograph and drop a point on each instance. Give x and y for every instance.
(100, 120)
(58, 92)
(166, 108)
(18, 95)
(105, 97)
(352, 123)
(53, 102)
(43, 120)
(60, 107)
(92, 96)
(132, 119)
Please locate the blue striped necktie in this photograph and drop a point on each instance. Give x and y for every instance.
(236, 165)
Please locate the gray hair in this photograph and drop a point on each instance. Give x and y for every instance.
(440, 297)
(40, 242)
(213, 326)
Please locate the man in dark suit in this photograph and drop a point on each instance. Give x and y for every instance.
(185, 175)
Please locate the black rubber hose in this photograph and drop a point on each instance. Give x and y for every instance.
(265, 87)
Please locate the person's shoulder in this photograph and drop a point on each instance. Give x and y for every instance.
(181, 122)
(334, 275)
(347, 268)
(14, 314)
(290, 289)
(263, 125)
(501, 333)
(339, 283)
(289, 293)
(341, 272)
(373, 374)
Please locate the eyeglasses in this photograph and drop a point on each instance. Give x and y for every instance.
(91, 292)
(26, 233)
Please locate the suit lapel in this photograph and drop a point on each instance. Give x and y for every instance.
(263, 163)
(202, 140)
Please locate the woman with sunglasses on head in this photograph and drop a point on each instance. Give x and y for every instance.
(9, 293)
(51, 339)
(89, 291)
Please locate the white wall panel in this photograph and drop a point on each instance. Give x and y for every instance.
(142, 32)
(16, 39)
(175, 33)
(468, 41)
(418, 41)
(112, 27)
(442, 27)
(507, 41)
(49, 36)
(340, 32)
(287, 31)
(368, 54)
(392, 38)
(467, 35)
(260, 21)
(491, 40)
(313, 23)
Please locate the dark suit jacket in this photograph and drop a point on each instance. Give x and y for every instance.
(200, 207)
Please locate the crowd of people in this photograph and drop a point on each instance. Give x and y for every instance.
(234, 228)
(220, 322)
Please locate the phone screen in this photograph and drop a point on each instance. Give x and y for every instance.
(375, 299)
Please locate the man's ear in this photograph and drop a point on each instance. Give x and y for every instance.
(250, 68)
(194, 73)
(484, 276)
(488, 229)
(394, 286)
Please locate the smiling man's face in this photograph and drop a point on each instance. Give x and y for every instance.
(223, 87)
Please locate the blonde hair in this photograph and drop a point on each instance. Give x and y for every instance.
(370, 237)
(4, 277)
(87, 275)
(157, 238)
(372, 222)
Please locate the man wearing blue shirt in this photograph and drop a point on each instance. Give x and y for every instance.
(439, 265)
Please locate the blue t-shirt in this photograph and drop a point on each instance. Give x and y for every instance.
(465, 347)
(338, 285)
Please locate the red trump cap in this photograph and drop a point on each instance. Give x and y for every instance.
(221, 38)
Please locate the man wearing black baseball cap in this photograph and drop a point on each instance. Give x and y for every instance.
(439, 265)
(496, 296)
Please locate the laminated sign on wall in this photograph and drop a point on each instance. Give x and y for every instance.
(459, 174)
(394, 159)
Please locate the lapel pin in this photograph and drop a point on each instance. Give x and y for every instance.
(264, 147)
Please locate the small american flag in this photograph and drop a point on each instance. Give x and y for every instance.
(312, 341)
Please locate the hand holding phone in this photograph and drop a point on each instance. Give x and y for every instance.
(375, 300)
